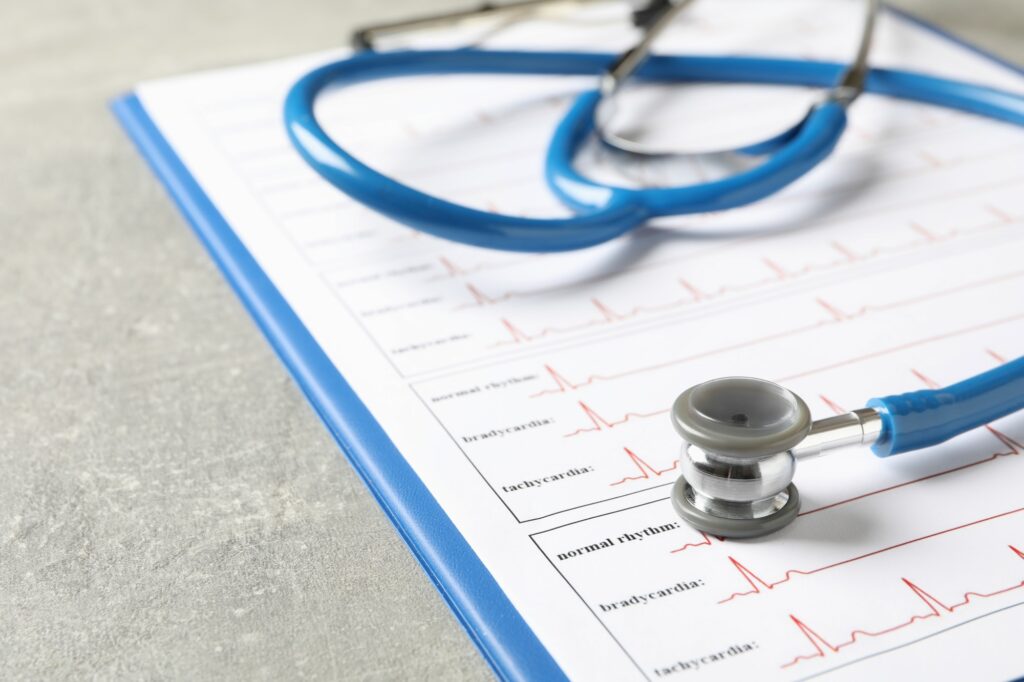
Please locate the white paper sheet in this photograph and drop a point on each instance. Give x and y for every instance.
(530, 392)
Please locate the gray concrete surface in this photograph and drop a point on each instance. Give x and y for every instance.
(170, 507)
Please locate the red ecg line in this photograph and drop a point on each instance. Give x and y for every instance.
(757, 583)
(832, 405)
(600, 423)
(930, 383)
(903, 346)
(451, 269)
(936, 608)
(561, 382)
(607, 316)
(645, 469)
(1015, 448)
(931, 159)
(777, 272)
(705, 542)
(996, 356)
(835, 316)
(481, 299)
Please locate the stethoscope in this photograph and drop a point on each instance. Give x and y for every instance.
(742, 436)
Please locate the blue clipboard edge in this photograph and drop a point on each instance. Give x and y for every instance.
(492, 622)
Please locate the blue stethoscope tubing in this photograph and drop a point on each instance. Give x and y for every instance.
(909, 421)
(603, 211)
(919, 419)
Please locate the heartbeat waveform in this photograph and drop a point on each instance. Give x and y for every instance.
(999, 213)
(562, 384)
(936, 609)
(607, 316)
(996, 356)
(780, 272)
(832, 405)
(931, 159)
(777, 272)
(1013, 446)
(835, 316)
(904, 346)
(705, 542)
(928, 382)
(479, 298)
(599, 423)
(482, 299)
(646, 470)
(451, 269)
(758, 584)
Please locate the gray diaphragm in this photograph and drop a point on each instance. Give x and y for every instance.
(736, 464)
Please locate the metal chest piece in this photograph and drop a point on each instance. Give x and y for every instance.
(736, 461)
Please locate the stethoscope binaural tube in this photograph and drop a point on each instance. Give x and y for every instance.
(742, 438)
(604, 211)
(661, 13)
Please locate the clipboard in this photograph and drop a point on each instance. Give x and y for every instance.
(499, 631)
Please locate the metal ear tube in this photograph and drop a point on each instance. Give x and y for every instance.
(742, 438)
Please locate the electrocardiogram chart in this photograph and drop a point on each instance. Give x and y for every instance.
(538, 386)
(757, 584)
(936, 609)
(939, 604)
(824, 636)
(608, 315)
(564, 385)
(654, 458)
(775, 271)
(694, 297)
(832, 314)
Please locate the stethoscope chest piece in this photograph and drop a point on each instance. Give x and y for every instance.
(736, 462)
(684, 501)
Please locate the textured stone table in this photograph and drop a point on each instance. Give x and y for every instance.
(169, 504)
